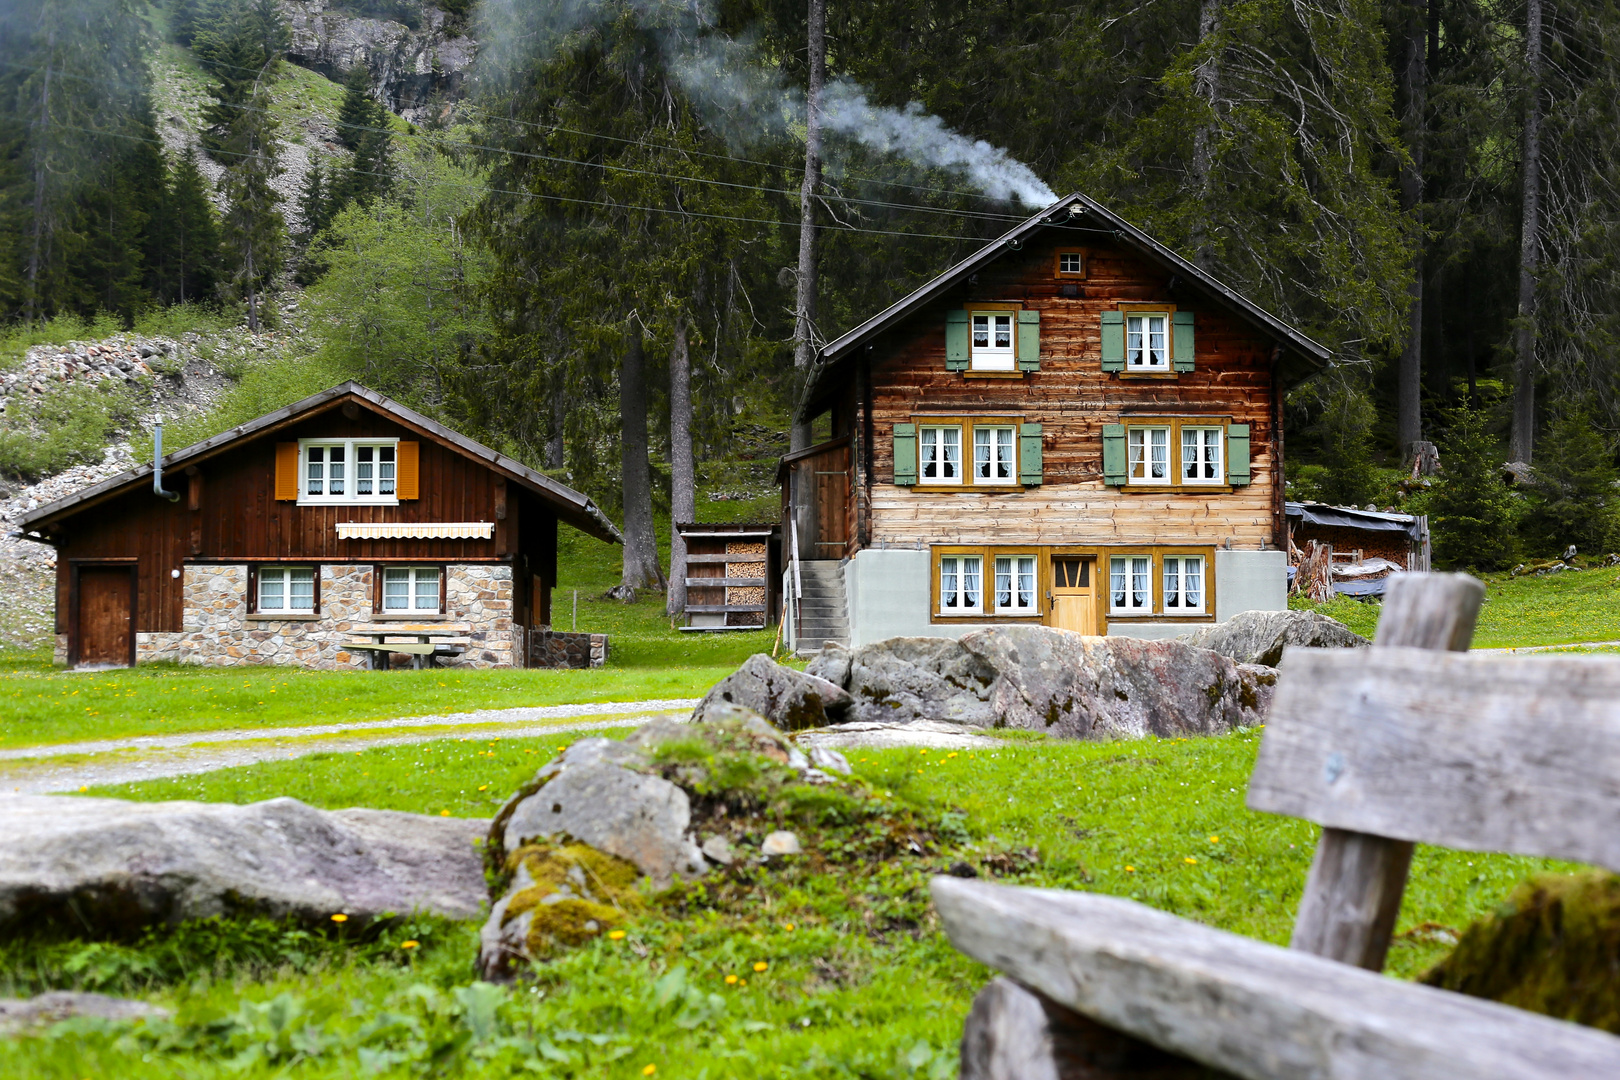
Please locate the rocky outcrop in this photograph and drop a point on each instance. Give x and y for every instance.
(579, 849)
(1259, 637)
(415, 51)
(113, 866)
(792, 700)
(1067, 685)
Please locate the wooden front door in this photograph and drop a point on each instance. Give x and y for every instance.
(1074, 595)
(106, 607)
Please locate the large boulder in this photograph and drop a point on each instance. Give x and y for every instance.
(1259, 637)
(1068, 685)
(19, 1015)
(114, 866)
(792, 700)
(576, 850)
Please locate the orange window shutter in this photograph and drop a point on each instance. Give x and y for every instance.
(409, 469)
(286, 472)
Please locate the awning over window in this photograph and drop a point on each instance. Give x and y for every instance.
(415, 530)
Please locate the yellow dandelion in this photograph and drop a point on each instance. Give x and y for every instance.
(1130, 869)
(409, 944)
(1189, 860)
(83, 788)
(615, 935)
(761, 965)
(731, 980)
(483, 787)
(649, 1070)
(1214, 839)
(788, 927)
(340, 917)
(444, 813)
(742, 982)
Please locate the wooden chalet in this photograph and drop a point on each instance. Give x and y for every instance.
(309, 532)
(1074, 426)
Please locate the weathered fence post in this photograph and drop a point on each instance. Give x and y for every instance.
(1353, 894)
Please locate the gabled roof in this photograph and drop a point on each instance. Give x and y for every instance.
(832, 361)
(569, 505)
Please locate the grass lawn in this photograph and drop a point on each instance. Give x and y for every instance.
(856, 979)
(1565, 608)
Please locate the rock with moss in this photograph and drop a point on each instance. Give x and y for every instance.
(1553, 947)
(791, 700)
(609, 828)
(1259, 637)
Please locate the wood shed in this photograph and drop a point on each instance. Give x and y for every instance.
(733, 575)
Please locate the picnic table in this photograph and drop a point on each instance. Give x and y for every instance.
(424, 643)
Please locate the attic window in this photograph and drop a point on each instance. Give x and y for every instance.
(348, 471)
(1071, 263)
(993, 341)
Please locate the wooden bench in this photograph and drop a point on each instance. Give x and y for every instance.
(428, 641)
(1410, 741)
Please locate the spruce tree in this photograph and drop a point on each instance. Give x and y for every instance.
(191, 252)
(1473, 513)
(253, 228)
(1573, 499)
(363, 129)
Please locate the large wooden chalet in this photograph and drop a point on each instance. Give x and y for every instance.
(1074, 426)
(280, 541)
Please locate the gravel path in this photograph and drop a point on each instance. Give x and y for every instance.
(123, 761)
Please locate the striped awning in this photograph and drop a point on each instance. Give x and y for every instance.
(415, 530)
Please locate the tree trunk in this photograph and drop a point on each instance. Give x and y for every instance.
(641, 570)
(804, 308)
(554, 438)
(1207, 85)
(683, 479)
(1523, 439)
(1414, 80)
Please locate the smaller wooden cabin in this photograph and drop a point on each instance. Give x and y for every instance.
(283, 540)
(733, 575)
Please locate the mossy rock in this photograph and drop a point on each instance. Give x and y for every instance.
(578, 893)
(1553, 947)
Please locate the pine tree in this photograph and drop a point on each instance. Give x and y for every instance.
(314, 204)
(1473, 512)
(363, 129)
(191, 258)
(253, 227)
(1573, 497)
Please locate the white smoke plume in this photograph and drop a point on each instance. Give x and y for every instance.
(745, 100)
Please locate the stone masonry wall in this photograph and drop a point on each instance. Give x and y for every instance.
(218, 630)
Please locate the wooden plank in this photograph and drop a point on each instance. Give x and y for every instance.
(416, 648)
(1353, 892)
(716, 582)
(1486, 753)
(1014, 1033)
(716, 609)
(1253, 1009)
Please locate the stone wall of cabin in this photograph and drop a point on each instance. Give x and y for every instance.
(219, 631)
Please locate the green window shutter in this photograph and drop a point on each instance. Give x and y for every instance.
(1237, 454)
(1113, 341)
(1114, 454)
(905, 454)
(956, 341)
(1029, 342)
(1181, 345)
(1029, 454)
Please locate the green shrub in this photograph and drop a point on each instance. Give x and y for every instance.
(41, 437)
(1573, 498)
(17, 340)
(190, 317)
(1473, 512)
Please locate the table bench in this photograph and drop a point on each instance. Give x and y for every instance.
(1407, 742)
(427, 641)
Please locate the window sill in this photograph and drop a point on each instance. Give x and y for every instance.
(1159, 616)
(1166, 376)
(409, 616)
(966, 489)
(994, 374)
(303, 616)
(940, 617)
(348, 502)
(1176, 489)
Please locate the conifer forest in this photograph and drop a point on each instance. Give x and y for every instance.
(607, 236)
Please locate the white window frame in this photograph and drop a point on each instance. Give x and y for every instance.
(1144, 357)
(1202, 460)
(1136, 568)
(939, 445)
(1138, 445)
(1079, 262)
(994, 458)
(351, 479)
(959, 574)
(412, 576)
(1015, 571)
(284, 574)
(1173, 576)
(991, 356)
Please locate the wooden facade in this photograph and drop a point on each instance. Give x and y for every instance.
(733, 576)
(886, 381)
(229, 513)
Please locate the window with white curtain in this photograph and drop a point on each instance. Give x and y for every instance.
(994, 455)
(960, 581)
(411, 590)
(1015, 585)
(349, 471)
(940, 455)
(1184, 585)
(1149, 455)
(286, 590)
(1130, 584)
(1201, 455)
